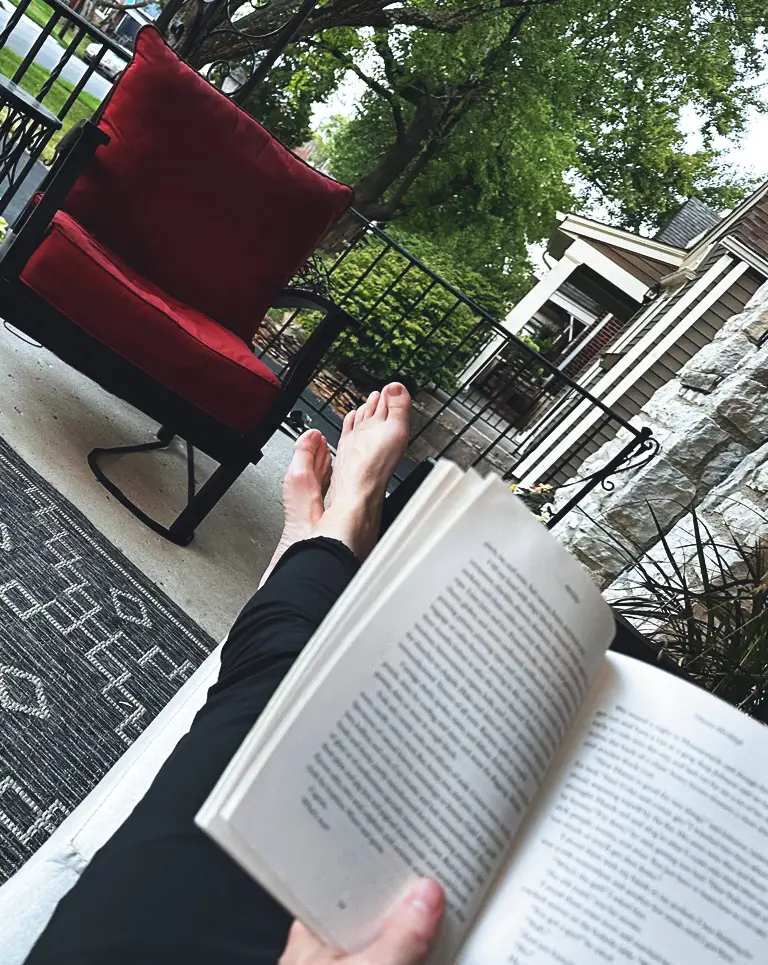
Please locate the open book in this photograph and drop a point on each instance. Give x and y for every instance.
(457, 716)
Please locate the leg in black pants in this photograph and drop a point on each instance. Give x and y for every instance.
(160, 891)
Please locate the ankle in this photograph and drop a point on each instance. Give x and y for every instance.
(355, 524)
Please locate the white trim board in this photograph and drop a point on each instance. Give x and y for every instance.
(641, 321)
(578, 253)
(716, 232)
(608, 391)
(589, 334)
(745, 253)
(576, 226)
(572, 307)
(521, 314)
(594, 369)
(623, 280)
(586, 376)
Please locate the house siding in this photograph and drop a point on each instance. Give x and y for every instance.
(652, 320)
(668, 365)
(590, 345)
(647, 270)
(752, 227)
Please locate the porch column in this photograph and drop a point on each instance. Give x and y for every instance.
(525, 309)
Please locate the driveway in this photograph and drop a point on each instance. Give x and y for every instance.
(25, 33)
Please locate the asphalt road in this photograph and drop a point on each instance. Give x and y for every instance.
(24, 35)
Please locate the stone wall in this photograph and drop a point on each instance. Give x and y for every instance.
(712, 425)
(737, 509)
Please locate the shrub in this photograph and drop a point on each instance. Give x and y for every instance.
(709, 615)
(410, 326)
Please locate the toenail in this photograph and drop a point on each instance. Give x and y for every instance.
(395, 389)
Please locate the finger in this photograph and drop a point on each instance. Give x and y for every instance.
(301, 947)
(407, 935)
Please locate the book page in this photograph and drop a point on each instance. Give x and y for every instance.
(420, 747)
(652, 846)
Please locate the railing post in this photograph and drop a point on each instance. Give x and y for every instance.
(643, 441)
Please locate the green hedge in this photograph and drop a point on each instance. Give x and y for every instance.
(410, 327)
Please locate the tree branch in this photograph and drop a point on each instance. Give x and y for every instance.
(350, 13)
(350, 64)
(392, 70)
(444, 21)
(389, 95)
(457, 107)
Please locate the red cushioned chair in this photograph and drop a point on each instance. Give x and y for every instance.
(161, 238)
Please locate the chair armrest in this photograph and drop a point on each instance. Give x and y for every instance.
(301, 368)
(81, 144)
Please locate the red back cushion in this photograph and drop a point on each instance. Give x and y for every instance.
(197, 196)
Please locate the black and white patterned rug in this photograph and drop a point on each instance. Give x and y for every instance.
(90, 651)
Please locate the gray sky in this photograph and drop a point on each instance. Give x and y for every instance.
(750, 153)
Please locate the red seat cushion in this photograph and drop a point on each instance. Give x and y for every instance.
(179, 346)
(197, 196)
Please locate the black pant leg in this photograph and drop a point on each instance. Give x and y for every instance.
(160, 891)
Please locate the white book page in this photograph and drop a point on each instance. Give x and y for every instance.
(651, 843)
(421, 746)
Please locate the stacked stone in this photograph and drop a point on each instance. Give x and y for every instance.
(712, 425)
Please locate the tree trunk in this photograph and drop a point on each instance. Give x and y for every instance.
(393, 164)
(347, 230)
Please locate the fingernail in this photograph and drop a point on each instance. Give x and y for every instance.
(426, 896)
(394, 388)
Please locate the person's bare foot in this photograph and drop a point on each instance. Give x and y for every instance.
(304, 487)
(373, 441)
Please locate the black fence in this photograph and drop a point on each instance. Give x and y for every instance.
(482, 397)
(53, 56)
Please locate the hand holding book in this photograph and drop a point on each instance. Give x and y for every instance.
(456, 717)
(405, 937)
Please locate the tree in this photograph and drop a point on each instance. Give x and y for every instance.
(584, 104)
(410, 326)
(284, 103)
(481, 117)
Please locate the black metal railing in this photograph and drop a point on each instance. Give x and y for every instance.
(414, 326)
(56, 54)
(482, 397)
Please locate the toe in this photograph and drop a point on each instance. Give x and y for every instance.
(309, 441)
(349, 423)
(321, 451)
(372, 404)
(368, 408)
(303, 458)
(397, 399)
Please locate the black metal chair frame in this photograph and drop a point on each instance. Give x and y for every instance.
(29, 313)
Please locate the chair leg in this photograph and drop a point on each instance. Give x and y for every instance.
(183, 528)
(199, 504)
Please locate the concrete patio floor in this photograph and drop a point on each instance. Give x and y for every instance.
(52, 416)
